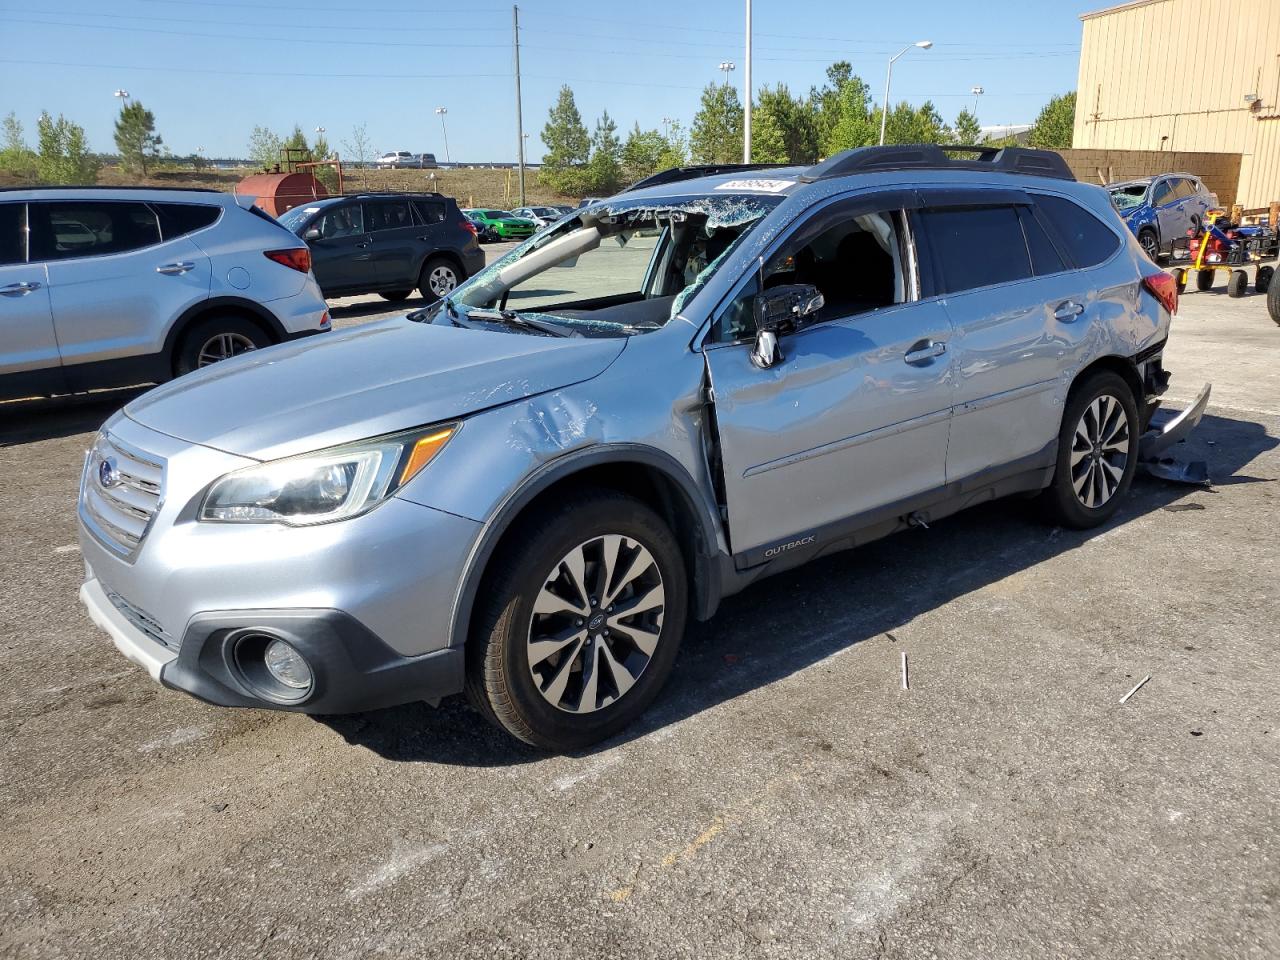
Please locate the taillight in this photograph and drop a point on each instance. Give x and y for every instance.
(297, 258)
(1164, 288)
(467, 224)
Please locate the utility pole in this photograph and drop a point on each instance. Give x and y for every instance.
(515, 26)
(746, 116)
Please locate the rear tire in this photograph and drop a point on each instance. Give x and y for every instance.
(535, 668)
(395, 296)
(439, 278)
(1097, 452)
(1262, 280)
(1205, 278)
(1237, 284)
(218, 338)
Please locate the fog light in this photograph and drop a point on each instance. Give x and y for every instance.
(287, 666)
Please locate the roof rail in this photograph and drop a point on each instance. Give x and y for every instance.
(105, 187)
(676, 174)
(928, 156)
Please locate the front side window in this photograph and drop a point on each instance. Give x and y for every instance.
(1086, 239)
(62, 230)
(976, 246)
(387, 215)
(346, 221)
(1163, 193)
(13, 233)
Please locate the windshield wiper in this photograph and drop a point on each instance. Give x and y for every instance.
(418, 316)
(517, 320)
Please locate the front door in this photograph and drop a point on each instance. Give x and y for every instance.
(854, 419)
(341, 257)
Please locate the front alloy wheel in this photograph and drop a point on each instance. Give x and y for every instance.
(579, 620)
(595, 624)
(1150, 245)
(1099, 452)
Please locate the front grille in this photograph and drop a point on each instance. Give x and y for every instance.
(120, 493)
(141, 619)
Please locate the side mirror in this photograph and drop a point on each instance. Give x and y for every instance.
(779, 311)
(312, 234)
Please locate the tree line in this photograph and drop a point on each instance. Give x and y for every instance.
(786, 128)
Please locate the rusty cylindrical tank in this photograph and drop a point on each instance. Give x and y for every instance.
(278, 192)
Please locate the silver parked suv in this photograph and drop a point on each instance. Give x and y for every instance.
(103, 287)
(525, 490)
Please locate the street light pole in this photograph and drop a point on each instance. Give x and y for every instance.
(123, 97)
(977, 92)
(440, 112)
(888, 78)
(515, 27)
(746, 116)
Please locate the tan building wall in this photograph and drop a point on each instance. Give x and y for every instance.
(1173, 75)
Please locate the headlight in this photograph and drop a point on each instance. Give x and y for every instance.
(326, 485)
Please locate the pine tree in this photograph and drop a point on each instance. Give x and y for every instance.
(717, 126)
(966, 130)
(605, 168)
(786, 131)
(853, 122)
(568, 146)
(641, 153)
(1054, 128)
(136, 138)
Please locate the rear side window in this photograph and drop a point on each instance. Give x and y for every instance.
(62, 230)
(1087, 239)
(976, 246)
(431, 211)
(13, 233)
(387, 215)
(177, 219)
(1045, 258)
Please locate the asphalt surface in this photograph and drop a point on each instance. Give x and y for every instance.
(786, 797)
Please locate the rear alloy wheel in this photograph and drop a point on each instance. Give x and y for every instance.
(1150, 244)
(395, 296)
(1205, 278)
(1237, 284)
(1262, 280)
(216, 339)
(439, 279)
(1097, 451)
(578, 626)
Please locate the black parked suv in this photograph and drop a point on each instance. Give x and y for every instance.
(387, 243)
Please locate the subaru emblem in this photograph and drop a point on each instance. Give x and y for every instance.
(108, 475)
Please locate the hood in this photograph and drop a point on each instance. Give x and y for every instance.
(375, 379)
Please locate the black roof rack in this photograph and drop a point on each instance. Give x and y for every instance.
(927, 156)
(676, 174)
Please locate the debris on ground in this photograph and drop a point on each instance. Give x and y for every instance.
(905, 684)
(1195, 472)
(1180, 507)
(1141, 683)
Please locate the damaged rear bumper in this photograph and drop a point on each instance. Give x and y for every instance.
(1154, 442)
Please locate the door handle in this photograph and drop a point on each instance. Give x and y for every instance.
(19, 289)
(175, 269)
(925, 351)
(1067, 311)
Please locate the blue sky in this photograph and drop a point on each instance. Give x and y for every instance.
(212, 69)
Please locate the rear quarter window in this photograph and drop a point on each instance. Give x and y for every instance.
(1086, 239)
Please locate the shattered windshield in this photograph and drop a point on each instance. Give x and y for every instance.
(623, 268)
(1129, 196)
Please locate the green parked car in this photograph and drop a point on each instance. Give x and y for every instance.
(502, 225)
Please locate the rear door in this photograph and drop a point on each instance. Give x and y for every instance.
(27, 340)
(1007, 349)
(341, 256)
(853, 421)
(396, 240)
(115, 283)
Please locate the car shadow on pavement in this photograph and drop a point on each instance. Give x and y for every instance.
(27, 421)
(369, 308)
(784, 624)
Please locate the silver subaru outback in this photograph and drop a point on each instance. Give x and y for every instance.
(526, 490)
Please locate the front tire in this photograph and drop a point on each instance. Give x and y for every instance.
(218, 338)
(439, 278)
(1097, 452)
(1262, 279)
(1150, 244)
(1237, 284)
(395, 296)
(579, 623)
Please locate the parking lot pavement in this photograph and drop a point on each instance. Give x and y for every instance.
(785, 797)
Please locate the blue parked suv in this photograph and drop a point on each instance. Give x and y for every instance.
(1160, 209)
